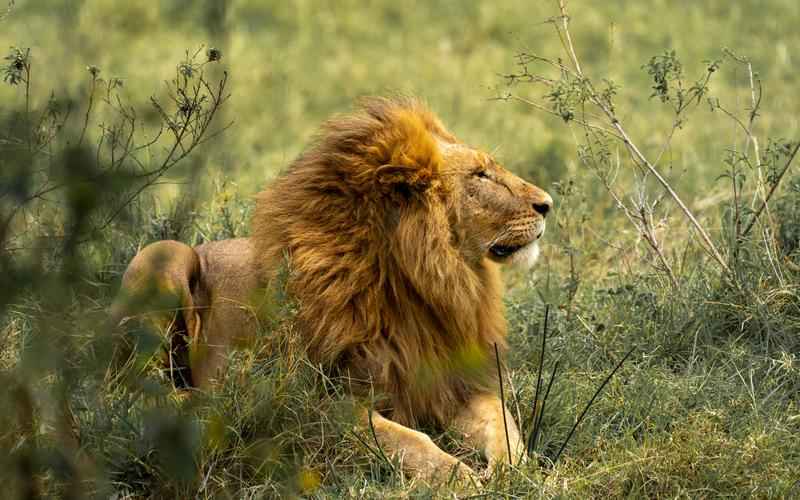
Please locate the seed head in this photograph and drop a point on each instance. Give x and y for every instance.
(213, 54)
(186, 69)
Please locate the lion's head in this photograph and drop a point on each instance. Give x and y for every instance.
(494, 214)
(393, 229)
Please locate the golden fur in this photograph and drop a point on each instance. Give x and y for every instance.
(363, 217)
(393, 230)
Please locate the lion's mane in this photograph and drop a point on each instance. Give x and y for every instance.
(364, 217)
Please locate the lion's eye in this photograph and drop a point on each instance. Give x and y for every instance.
(481, 174)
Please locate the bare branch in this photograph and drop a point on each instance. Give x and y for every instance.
(772, 190)
(634, 151)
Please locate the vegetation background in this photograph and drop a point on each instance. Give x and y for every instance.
(707, 405)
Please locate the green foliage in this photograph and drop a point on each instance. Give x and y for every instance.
(787, 214)
(17, 66)
(567, 94)
(667, 73)
(668, 81)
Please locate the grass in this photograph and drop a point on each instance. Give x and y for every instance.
(706, 406)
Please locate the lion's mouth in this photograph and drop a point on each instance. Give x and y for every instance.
(523, 256)
(521, 249)
(503, 251)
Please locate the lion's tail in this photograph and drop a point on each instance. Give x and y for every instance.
(159, 289)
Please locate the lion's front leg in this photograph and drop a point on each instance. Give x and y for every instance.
(418, 454)
(481, 422)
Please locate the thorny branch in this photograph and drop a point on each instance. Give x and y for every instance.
(575, 86)
(631, 146)
(188, 126)
(185, 123)
(772, 190)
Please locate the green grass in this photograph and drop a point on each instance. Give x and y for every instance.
(707, 406)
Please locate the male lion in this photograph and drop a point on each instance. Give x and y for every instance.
(393, 231)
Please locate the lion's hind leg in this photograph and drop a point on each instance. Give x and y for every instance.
(157, 289)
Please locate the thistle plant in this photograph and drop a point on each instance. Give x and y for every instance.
(589, 104)
(124, 157)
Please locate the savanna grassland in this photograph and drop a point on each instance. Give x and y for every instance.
(707, 404)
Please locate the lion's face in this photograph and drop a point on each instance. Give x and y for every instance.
(494, 214)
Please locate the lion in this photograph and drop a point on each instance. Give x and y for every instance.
(393, 231)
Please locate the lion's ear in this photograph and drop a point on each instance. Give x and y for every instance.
(406, 152)
(412, 177)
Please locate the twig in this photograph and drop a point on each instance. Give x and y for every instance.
(536, 410)
(375, 438)
(755, 101)
(541, 107)
(589, 404)
(640, 220)
(538, 427)
(772, 190)
(710, 247)
(368, 447)
(562, 5)
(503, 401)
(631, 146)
(88, 109)
(180, 132)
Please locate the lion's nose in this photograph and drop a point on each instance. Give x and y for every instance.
(543, 205)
